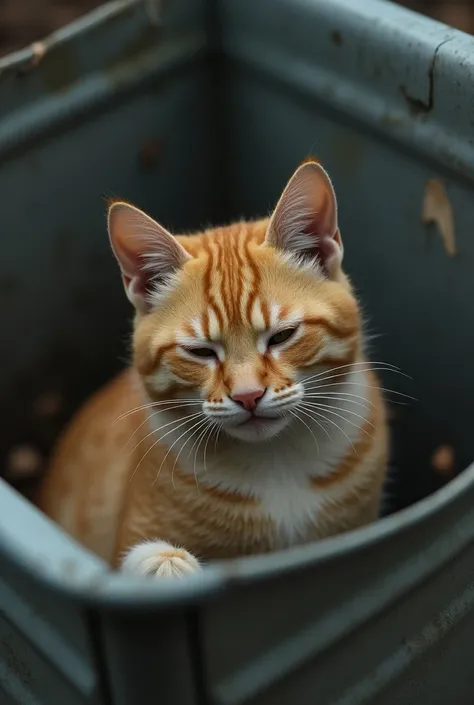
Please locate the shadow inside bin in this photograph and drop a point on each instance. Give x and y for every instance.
(418, 466)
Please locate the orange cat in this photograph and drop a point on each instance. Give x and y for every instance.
(250, 420)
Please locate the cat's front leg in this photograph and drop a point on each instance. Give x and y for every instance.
(158, 559)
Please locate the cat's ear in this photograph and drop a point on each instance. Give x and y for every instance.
(146, 252)
(304, 221)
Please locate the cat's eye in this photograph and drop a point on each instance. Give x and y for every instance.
(202, 352)
(282, 336)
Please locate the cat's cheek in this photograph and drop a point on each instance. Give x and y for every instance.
(302, 353)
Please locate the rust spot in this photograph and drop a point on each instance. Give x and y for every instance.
(150, 153)
(443, 459)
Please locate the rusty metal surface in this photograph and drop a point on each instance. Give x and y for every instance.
(383, 615)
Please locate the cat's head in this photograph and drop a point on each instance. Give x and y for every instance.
(238, 317)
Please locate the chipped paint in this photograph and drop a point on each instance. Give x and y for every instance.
(437, 209)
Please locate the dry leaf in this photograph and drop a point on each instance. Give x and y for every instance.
(442, 460)
(437, 209)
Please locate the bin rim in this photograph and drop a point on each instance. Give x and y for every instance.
(106, 589)
(28, 55)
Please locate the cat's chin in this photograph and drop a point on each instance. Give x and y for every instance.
(257, 429)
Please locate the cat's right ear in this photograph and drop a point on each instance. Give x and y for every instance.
(304, 222)
(146, 252)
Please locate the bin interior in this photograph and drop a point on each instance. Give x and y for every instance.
(206, 139)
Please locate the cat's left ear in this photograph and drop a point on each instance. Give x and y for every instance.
(304, 221)
(146, 252)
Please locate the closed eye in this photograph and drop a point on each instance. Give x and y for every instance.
(281, 337)
(202, 352)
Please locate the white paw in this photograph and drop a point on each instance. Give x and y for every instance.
(159, 559)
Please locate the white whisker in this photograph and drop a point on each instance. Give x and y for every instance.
(180, 451)
(210, 428)
(219, 428)
(200, 437)
(160, 428)
(387, 366)
(341, 396)
(320, 425)
(194, 444)
(345, 374)
(148, 418)
(152, 404)
(187, 430)
(333, 409)
(155, 443)
(381, 389)
(315, 413)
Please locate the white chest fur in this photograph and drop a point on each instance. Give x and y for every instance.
(277, 472)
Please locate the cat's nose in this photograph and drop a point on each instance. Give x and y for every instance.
(249, 399)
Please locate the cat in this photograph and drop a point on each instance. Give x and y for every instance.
(250, 420)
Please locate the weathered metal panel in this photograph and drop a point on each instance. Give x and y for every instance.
(382, 615)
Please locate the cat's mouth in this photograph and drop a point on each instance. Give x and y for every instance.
(259, 420)
(257, 428)
(256, 421)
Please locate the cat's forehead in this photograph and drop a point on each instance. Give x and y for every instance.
(218, 319)
(238, 284)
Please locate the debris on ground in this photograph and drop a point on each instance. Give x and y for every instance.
(443, 459)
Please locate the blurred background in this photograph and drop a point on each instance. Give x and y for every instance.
(25, 21)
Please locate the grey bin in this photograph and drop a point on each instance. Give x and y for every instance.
(198, 112)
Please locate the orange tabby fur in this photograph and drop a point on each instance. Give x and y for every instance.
(286, 466)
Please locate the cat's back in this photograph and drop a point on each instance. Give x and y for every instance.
(84, 487)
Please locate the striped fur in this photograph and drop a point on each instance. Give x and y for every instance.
(164, 468)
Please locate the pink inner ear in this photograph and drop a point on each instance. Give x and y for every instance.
(326, 252)
(137, 286)
(135, 276)
(325, 249)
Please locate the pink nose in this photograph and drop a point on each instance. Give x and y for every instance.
(249, 399)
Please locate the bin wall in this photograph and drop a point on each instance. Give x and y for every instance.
(199, 117)
(121, 105)
(335, 84)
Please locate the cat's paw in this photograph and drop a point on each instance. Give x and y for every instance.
(158, 559)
